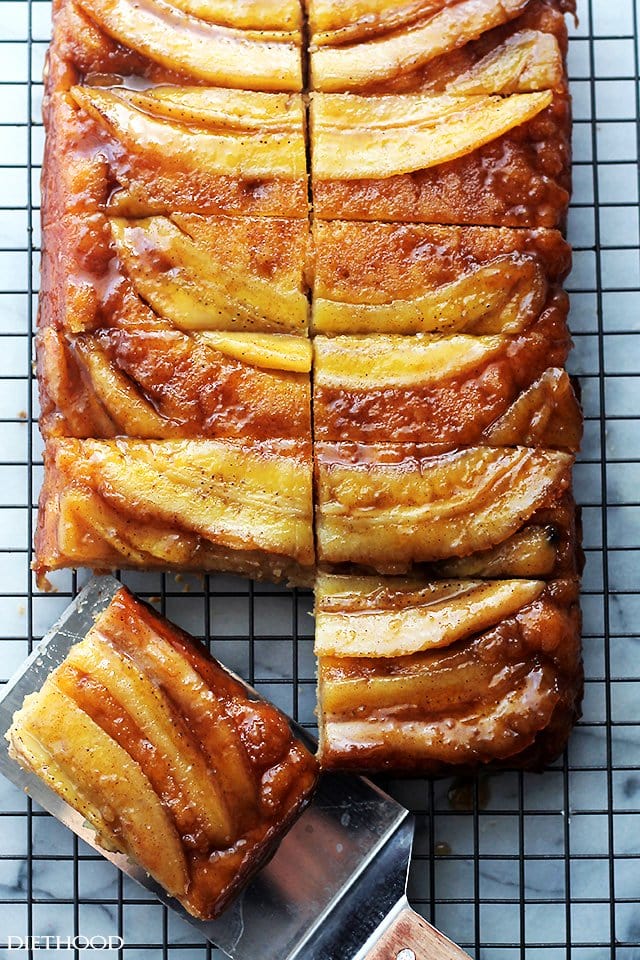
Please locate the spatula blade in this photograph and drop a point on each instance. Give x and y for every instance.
(336, 875)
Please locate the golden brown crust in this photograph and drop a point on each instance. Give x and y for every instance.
(392, 507)
(497, 680)
(519, 179)
(201, 803)
(178, 504)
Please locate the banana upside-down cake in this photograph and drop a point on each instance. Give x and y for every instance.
(165, 756)
(302, 318)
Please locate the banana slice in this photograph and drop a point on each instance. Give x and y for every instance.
(356, 138)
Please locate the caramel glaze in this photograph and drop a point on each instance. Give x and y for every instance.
(281, 769)
(477, 719)
(456, 410)
(521, 179)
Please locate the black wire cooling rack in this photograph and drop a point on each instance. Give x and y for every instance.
(512, 865)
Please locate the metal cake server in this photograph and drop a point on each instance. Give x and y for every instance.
(336, 887)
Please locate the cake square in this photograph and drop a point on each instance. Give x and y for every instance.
(447, 392)
(173, 149)
(180, 272)
(419, 278)
(188, 505)
(477, 511)
(419, 677)
(442, 158)
(467, 47)
(143, 380)
(155, 744)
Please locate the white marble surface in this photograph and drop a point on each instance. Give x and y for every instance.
(533, 863)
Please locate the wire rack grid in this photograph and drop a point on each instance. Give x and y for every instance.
(512, 865)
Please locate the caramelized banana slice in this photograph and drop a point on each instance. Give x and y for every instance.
(276, 15)
(229, 274)
(476, 737)
(503, 681)
(113, 785)
(94, 535)
(393, 363)
(333, 21)
(396, 617)
(31, 754)
(389, 506)
(357, 138)
(527, 61)
(177, 277)
(214, 42)
(239, 130)
(155, 745)
(189, 787)
(263, 350)
(502, 294)
(548, 413)
(532, 552)
(211, 504)
(162, 658)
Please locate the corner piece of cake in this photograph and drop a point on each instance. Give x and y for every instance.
(253, 45)
(419, 676)
(461, 46)
(165, 756)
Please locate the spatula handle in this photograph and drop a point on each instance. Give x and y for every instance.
(410, 937)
